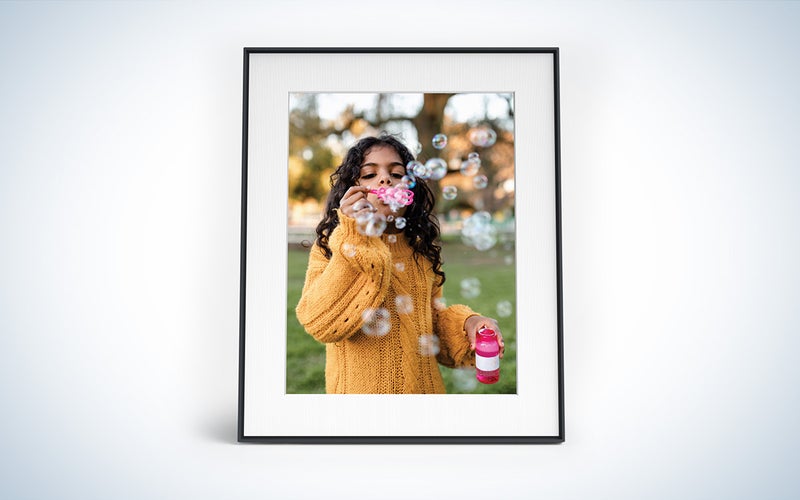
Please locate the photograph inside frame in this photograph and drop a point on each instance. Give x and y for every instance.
(401, 244)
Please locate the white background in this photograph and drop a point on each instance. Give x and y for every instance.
(120, 142)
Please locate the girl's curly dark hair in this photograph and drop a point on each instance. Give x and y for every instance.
(422, 228)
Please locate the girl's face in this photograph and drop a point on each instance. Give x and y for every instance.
(382, 167)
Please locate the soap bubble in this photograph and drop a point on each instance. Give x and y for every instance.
(480, 218)
(376, 225)
(439, 303)
(417, 169)
(484, 241)
(470, 288)
(482, 136)
(439, 141)
(470, 167)
(504, 308)
(404, 304)
(480, 181)
(376, 322)
(437, 168)
(349, 250)
(478, 231)
(508, 259)
(362, 204)
(400, 222)
(422, 172)
(449, 192)
(363, 217)
(373, 226)
(400, 267)
(409, 181)
(416, 148)
(363, 211)
(429, 345)
(391, 238)
(464, 379)
(473, 156)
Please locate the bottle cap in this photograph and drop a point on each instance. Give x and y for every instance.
(486, 331)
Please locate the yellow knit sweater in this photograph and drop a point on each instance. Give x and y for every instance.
(370, 273)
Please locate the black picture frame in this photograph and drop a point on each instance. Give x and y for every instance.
(245, 436)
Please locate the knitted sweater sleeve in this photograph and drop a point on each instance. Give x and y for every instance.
(448, 324)
(338, 290)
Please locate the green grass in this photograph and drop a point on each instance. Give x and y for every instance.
(305, 363)
(305, 357)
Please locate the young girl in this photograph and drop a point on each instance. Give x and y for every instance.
(376, 301)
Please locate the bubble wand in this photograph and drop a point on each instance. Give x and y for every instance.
(395, 197)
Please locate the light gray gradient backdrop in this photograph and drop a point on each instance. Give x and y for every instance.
(120, 145)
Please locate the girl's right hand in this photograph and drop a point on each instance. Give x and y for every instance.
(349, 205)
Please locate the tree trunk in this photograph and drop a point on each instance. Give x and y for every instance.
(430, 121)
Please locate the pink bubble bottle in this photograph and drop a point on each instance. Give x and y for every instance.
(487, 356)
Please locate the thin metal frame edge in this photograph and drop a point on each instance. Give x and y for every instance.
(561, 437)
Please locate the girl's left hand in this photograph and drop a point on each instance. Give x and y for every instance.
(475, 323)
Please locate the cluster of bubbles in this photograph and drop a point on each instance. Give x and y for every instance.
(434, 169)
(417, 169)
(478, 231)
(429, 345)
(401, 267)
(371, 223)
(368, 221)
(376, 322)
(375, 225)
(470, 288)
(482, 136)
(504, 309)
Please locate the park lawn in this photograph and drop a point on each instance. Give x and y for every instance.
(305, 357)
(305, 363)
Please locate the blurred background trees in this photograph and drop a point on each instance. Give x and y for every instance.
(323, 126)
